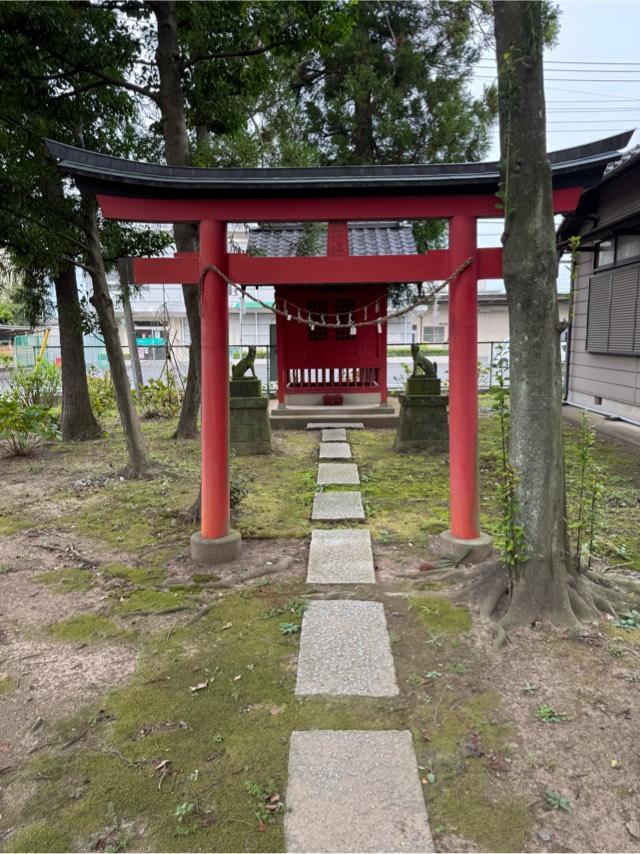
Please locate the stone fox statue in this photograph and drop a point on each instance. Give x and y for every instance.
(429, 369)
(245, 364)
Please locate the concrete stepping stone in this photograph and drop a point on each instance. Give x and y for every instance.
(337, 506)
(335, 451)
(355, 791)
(330, 425)
(337, 473)
(345, 651)
(341, 557)
(334, 434)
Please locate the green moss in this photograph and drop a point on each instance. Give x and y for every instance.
(89, 628)
(630, 636)
(10, 524)
(7, 683)
(466, 798)
(216, 739)
(440, 616)
(40, 836)
(205, 578)
(66, 579)
(134, 574)
(150, 601)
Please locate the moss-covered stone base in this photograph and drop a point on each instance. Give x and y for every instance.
(423, 423)
(250, 427)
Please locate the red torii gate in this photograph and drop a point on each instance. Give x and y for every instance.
(132, 191)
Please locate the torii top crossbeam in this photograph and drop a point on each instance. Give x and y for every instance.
(458, 192)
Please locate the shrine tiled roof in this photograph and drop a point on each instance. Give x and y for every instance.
(365, 238)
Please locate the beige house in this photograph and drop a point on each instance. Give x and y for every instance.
(603, 366)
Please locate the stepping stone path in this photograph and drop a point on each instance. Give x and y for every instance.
(337, 506)
(335, 451)
(334, 434)
(337, 474)
(354, 790)
(341, 557)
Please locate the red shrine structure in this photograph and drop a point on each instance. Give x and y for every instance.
(459, 192)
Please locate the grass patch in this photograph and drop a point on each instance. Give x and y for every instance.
(40, 836)
(10, 524)
(150, 601)
(439, 616)
(89, 628)
(134, 574)
(7, 683)
(67, 579)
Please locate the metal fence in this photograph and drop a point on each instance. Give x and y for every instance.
(156, 359)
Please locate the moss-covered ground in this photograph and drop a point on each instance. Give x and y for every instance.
(184, 754)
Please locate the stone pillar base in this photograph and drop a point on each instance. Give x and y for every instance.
(423, 423)
(220, 550)
(250, 426)
(468, 551)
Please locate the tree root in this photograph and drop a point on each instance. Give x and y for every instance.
(569, 602)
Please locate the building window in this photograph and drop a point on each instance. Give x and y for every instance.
(433, 334)
(605, 253)
(613, 313)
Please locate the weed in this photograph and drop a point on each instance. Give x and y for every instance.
(289, 628)
(548, 715)
(530, 688)
(266, 801)
(295, 606)
(629, 621)
(556, 801)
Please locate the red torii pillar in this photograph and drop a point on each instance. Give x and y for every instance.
(216, 542)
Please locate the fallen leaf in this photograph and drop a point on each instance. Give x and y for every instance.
(227, 626)
(544, 835)
(275, 711)
(426, 566)
(4, 747)
(237, 678)
(200, 686)
(615, 763)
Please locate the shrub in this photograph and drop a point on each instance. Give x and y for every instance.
(39, 386)
(159, 398)
(101, 393)
(23, 428)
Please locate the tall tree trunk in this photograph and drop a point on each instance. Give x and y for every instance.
(177, 153)
(139, 464)
(547, 586)
(78, 421)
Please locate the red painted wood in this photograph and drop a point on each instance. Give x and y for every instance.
(463, 383)
(338, 238)
(182, 269)
(214, 311)
(298, 350)
(315, 209)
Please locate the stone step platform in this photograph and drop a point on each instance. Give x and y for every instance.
(337, 506)
(342, 556)
(334, 434)
(345, 651)
(360, 422)
(355, 791)
(334, 451)
(338, 474)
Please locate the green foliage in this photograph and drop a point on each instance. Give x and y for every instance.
(265, 800)
(511, 540)
(289, 628)
(556, 801)
(101, 393)
(548, 715)
(159, 398)
(585, 519)
(38, 386)
(24, 427)
(629, 621)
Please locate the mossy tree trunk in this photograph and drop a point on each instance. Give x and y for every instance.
(139, 464)
(547, 585)
(177, 149)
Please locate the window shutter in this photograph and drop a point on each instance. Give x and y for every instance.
(598, 313)
(624, 294)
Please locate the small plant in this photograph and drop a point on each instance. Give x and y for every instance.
(591, 486)
(548, 715)
(289, 628)
(557, 801)
(101, 393)
(40, 386)
(23, 427)
(296, 607)
(184, 810)
(529, 688)
(159, 398)
(628, 621)
(266, 801)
